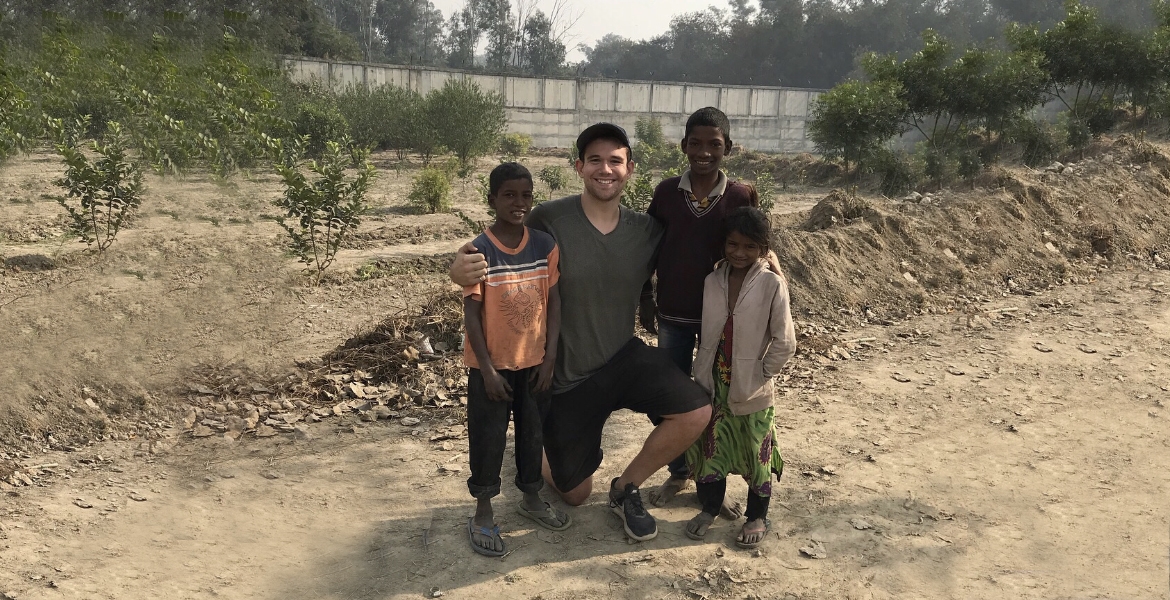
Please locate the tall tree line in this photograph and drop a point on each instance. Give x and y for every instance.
(518, 37)
(817, 43)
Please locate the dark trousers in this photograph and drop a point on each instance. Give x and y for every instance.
(679, 343)
(487, 432)
(711, 496)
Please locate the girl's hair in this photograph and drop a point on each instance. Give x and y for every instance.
(507, 172)
(749, 222)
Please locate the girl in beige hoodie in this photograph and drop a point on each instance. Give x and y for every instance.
(747, 337)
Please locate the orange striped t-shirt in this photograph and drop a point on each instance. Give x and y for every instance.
(515, 299)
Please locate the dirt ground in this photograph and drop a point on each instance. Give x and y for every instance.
(1005, 444)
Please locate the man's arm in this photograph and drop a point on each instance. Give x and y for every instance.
(469, 267)
(544, 375)
(497, 388)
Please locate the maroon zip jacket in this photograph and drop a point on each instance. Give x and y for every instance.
(692, 245)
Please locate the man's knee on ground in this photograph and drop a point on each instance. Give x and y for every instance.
(578, 495)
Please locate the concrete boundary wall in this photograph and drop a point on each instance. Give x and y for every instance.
(553, 111)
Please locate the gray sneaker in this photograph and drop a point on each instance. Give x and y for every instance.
(627, 504)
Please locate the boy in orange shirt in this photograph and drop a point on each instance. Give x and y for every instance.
(513, 322)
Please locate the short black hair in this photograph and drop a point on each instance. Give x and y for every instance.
(709, 117)
(507, 172)
(749, 222)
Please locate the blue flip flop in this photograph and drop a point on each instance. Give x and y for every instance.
(493, 533)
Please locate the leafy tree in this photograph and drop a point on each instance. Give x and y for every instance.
(412, 31)
(463, 35)
(466, 120)
(320, 214)
(495, 17)
(101, 194)
(541, 53)
(854, 119)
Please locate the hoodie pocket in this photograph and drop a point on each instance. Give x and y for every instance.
(747, 379)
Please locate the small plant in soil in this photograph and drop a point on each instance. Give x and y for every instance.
(320, 214)
(431, 191)
(100, 193)
(554, 177)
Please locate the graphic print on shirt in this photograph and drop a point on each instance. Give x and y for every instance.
(522, 304)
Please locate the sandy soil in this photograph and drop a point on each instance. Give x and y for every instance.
(1015, 450)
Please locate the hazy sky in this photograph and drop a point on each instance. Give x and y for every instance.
(635, 19)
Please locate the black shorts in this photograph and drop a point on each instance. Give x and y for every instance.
(638, 378)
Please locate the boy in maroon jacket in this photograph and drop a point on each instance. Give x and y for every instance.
(691, 208)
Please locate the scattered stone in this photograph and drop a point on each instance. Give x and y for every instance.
(1086, 349)
(271, 475)
(814, 550)
(900, 378)
(860, 524)
(451, 468)
(410, 421)
(1042, 347)
(264, 431)
(301, 432)
(1055, 167)
(382, 413)
(80, 502)
(953, 370)
(435, 593)
(909, 277)
(949, 254)
(1051, 248)
(202, 431)
(135, 496)
(829, 470)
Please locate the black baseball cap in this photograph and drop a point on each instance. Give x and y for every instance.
(603, 131)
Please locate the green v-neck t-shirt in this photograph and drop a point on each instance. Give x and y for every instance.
(601, 281)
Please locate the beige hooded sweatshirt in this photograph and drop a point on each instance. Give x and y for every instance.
(763, 337)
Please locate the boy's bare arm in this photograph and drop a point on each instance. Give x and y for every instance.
(473, 321)
(552, 338)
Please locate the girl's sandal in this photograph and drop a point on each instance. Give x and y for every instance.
(752, 545)
(697, 527)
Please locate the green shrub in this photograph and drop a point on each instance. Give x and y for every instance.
(653, 150)
(320, 214)
(466, 120)
(765, 186)
(387, 117)
(896, 170)
(854, 119)
(318, 118)
(515, 145)
(1041, 142)
(554, 177)
(639, 193)
(970, 164)
(99, 194)
(16, 129)
(431, 191)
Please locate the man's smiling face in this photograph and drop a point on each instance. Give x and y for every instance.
(605, 169)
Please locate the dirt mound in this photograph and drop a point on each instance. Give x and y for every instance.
(1025, 231)
(838, 208)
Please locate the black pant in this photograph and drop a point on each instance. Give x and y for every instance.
(711, 495)
(487, 432)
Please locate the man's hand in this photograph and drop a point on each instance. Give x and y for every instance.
(497, 387)
(469, 267)
(774, 263)
(542, 377)
(647, 311)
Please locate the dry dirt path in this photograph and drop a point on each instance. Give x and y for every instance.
(1024, 457)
